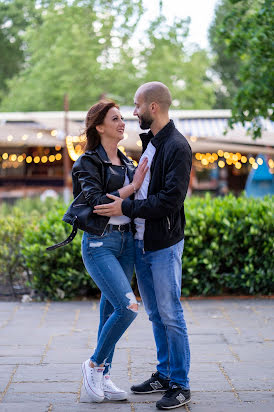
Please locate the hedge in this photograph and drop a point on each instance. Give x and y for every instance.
(229, 248)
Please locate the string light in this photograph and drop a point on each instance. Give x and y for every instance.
(236, 159)
(260, 161)
(14, 159)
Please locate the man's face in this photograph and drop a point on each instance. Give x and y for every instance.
(142, 111)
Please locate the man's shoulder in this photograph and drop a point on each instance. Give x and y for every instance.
(177, 141)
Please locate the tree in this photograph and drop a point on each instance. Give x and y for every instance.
(247, 30)
(15, 17)
(165, 58)
(72, 52)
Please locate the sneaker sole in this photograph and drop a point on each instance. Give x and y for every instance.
(93, 397)
(173, 407)
(115, 397)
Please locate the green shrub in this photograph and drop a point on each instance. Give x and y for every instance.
(12, 264)
(60, 273)
(229, 248)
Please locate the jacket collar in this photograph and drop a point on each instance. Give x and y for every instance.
(104, 157)
(159, 137)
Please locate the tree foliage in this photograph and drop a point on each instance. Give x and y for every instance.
(246, 33)
(225, 66)
(87, 48)
(165, 58)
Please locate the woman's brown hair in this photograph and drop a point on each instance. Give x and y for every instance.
(95, 117)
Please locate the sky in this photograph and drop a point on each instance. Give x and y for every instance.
(201, 13)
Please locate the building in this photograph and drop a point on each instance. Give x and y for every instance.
(33, 146)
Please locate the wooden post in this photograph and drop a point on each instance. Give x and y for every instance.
(66, 160)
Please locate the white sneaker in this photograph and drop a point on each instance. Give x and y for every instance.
(93, 381)
(111, 391)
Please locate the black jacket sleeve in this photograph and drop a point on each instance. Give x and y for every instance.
(89, 172)
(172, 195)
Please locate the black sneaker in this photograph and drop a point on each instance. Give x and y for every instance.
(153, 384)
(174, 397)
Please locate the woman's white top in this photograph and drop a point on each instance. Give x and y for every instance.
(121, 220)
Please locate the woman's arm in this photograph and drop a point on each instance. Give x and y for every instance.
(87, 171)
(138, 179)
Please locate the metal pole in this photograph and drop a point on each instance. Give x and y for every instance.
(66, 160)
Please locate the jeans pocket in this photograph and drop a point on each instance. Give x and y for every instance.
(91, 236)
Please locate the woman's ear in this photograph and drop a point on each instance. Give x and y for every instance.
(100, 128)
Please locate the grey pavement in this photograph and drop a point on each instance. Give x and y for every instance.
(42, 346)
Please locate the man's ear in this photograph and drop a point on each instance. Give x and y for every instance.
(153, 107)
(100, 128)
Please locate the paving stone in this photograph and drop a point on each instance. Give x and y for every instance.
(231, 349)
(48, 373)
(25, 407)
(44, 387)
(89, 406)
(33, 397)
(5, 374)
(260, 397)
(224, 408)
(251, 375)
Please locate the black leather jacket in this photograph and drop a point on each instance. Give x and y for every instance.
(164, 207)
(94, 175)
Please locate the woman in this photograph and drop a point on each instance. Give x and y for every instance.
(108, 252)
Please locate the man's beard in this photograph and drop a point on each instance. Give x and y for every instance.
(145, 121)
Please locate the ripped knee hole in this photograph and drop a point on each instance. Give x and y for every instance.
(133, 307)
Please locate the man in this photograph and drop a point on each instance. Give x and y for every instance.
(158, 210)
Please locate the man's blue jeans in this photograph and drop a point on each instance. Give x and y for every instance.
(109, 259)
(159, 275)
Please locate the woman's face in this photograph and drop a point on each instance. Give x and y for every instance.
(113, 126)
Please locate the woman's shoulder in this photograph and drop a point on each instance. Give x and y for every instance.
(87, 159)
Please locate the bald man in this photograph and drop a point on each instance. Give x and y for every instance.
(158, 213)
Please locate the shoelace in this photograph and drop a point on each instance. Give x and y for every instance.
(171, 391)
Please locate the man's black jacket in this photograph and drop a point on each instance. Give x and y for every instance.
(164, 207)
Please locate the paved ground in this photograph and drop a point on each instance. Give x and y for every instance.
(42, 346)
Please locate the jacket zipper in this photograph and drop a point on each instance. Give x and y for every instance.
(152, 164)
(168, 222)
(105, 228)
